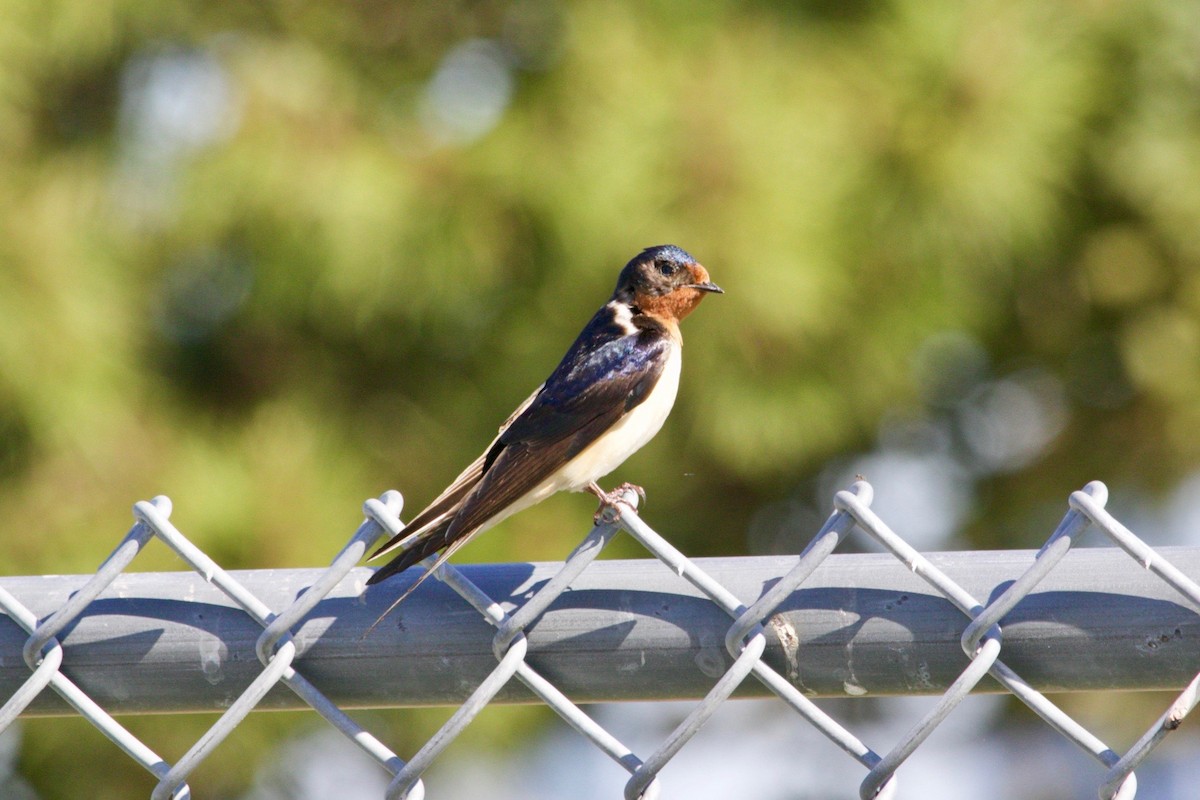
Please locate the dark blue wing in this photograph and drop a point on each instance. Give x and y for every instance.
(605, 373)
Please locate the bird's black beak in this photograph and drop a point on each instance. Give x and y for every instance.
(707, 286)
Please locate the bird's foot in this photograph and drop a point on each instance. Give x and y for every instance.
(609, 500)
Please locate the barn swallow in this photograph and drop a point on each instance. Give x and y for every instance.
(608, 396)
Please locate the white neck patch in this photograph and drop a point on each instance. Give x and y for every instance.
(623, 317)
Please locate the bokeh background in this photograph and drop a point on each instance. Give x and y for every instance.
(272, 259)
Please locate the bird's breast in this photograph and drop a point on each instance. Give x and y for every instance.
(630, 433)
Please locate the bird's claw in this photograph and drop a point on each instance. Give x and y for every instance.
(609, 500)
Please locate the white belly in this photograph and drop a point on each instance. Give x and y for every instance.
(615, 445)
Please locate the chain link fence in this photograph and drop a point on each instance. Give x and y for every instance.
(758, 639)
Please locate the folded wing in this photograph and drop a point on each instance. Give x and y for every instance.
(607, 372)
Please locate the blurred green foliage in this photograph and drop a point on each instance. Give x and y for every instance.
(251, 258)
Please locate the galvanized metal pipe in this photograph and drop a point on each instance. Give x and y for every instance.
(625, 630)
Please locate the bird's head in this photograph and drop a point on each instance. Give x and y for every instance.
(664, 282)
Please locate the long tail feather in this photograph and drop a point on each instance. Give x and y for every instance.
(449, 551)
(409, 538)
(422, 526)
(417, 547)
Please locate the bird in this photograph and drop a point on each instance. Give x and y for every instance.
(607, 398)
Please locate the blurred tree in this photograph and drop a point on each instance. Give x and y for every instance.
(271, 260)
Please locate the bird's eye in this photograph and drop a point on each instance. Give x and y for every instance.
(666, 268)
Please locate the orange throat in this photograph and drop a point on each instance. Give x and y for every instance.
(671, 308)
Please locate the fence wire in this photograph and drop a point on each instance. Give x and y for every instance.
(982, 640)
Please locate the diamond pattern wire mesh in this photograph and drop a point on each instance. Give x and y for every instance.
(982, 640)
